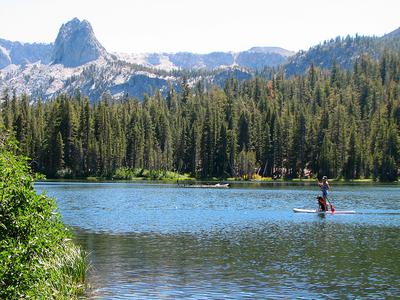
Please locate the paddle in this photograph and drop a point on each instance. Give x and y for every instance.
(331, 206)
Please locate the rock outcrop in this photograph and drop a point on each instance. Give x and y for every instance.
(76, 44)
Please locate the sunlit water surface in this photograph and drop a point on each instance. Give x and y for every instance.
(150, 241)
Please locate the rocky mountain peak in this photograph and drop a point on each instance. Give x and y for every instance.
(76, 44)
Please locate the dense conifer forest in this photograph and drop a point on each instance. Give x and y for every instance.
(339, 123)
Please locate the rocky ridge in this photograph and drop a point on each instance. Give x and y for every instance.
(78, 61)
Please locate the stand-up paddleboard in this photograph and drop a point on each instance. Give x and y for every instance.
(315, 211)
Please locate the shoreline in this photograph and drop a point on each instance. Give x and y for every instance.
(205, 182)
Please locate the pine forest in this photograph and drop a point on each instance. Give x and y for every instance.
(340, 123)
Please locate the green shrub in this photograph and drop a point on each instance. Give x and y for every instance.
(138, 173)
(127, 173)
(38, 258)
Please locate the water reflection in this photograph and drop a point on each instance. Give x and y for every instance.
(265, 261)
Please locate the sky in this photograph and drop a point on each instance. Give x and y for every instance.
(201, 26)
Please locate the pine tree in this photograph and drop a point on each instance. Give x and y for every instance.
(243, 131)
(298, 150)
(352, 152)
(58, 154)
(221, 159)
(277, 157)
(206, 147)
(324, 162)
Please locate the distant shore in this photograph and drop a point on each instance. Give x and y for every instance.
(211, 181)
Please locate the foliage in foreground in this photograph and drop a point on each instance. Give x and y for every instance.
(38, 258)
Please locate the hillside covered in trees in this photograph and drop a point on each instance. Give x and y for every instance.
(343, 51)
(340, 123)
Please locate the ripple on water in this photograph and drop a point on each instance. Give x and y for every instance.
(150, 241)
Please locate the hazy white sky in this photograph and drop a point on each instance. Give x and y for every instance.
(200, 26)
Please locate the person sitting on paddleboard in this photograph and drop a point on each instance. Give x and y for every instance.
(322, 204)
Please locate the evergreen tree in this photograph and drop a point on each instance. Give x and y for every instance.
(206, 157)
(221, 160)
(243, 131)
(324, 162)
(58, 154)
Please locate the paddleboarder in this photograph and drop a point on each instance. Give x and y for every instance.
(324, 185)
(322, 204)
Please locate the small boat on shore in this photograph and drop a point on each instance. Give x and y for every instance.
(217, 185)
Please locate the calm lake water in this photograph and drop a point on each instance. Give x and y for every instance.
(150, 241)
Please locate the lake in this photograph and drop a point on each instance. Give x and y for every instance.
(160, 241)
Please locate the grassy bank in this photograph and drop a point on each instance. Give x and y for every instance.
(140, 175)
(38, 258)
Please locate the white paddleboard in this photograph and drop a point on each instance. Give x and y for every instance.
(315, 211)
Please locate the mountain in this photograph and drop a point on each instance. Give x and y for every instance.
(393, 34)
(76, 45)
(78, 61)
(256, 58)
(343, 51)
(23, 53)
(276, 50)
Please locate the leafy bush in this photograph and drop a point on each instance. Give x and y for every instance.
(64, 173)
(135, 173)
(38, 257)
(128, 173)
